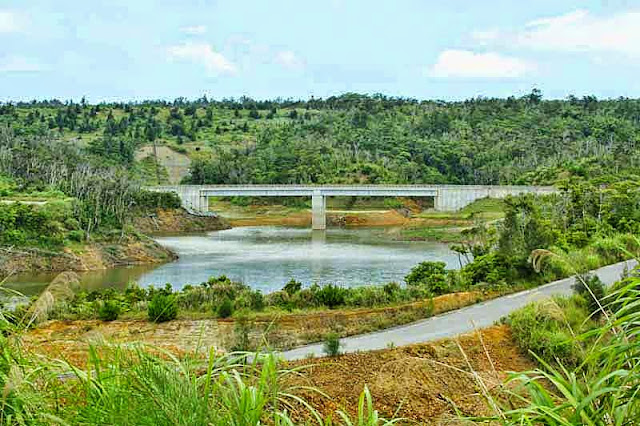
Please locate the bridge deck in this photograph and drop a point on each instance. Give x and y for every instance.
(446, 197)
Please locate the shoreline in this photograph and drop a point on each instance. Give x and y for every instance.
(125, 249)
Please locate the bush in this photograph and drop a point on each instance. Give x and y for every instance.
(543, 328)
(332, 344)
(292, 287)
(162, 308)
(488, 268)
(431, 275)
(109, 310)
(77, 235)
(305, 298)
(330, 296)
(225, 309)
(590, 288)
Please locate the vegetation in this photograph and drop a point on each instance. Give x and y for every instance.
(68, 174)
(162, 307)
(357, 138)
(225, 309)
(590, 375)
(76, 194)
(331, 346)
(431, 275)
(109, 310)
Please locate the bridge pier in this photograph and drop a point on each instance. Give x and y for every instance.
(318, 211)
(203, 205)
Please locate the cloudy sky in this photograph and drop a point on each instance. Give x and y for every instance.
(456, 49)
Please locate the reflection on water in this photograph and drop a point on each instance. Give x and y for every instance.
(267, 257)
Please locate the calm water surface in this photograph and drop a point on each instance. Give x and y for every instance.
(267, 257)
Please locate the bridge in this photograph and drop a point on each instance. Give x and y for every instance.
(195, 198)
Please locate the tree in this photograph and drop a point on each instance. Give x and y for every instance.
(431, 275)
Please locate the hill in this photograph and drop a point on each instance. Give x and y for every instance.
(350, 138)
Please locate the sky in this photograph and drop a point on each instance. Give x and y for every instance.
(425, 49)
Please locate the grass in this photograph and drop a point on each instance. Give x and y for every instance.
(448, 234)
(600, 387)
(140, 385)
(483, 208)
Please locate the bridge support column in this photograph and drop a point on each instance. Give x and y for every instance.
(203, 206)
(318, 212)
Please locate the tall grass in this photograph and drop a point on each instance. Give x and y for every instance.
(602, 389)
(135, 384)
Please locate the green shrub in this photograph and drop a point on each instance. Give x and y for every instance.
(330, 296)
(278, 298)
(544, 329)
(109, 310)
(77, 235)
(489, 268)
(240, 338)
(145, 200)
(366, 296)
(303, 299)
(292, 287)
(331, 346)
(393, 203)
(225, 309)
(162, 308)
(391, 289)
(431, 275)
(591, 289)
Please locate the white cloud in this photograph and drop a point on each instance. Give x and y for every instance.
(19, 64)
(10, 22)
(580, 31)
(289, 60)
(576, 31)
(468, 64)
(202, 53)
(194, 30)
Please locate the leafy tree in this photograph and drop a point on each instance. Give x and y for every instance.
(431, 275)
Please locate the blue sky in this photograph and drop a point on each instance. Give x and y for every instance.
(455, 49)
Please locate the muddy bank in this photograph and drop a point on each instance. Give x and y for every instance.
(127, 250)
(373, 218)
(166, 221)
(112, 252)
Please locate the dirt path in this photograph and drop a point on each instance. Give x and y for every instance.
(460, 321)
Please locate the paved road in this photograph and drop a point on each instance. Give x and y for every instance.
(459, 321)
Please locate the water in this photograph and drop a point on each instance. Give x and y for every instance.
(267, 257)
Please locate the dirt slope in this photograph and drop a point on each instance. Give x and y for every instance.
(417, 381)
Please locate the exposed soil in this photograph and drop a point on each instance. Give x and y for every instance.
(418, 382)
(176, 164)
(334, 218)
(71, 338)
(128, 250)
(177, 221)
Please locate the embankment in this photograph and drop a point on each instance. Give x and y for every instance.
(177, 221)
(128, 250)
(112, 251)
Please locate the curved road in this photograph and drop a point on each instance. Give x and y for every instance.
(459, 321)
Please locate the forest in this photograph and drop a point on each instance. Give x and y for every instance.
(356, 138)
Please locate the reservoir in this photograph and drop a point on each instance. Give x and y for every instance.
(266, 257)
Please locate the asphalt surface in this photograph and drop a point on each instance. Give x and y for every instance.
(459, 321)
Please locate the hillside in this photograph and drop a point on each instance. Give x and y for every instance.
(350, 138)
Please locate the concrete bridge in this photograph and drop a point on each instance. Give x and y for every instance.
(446, 197)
